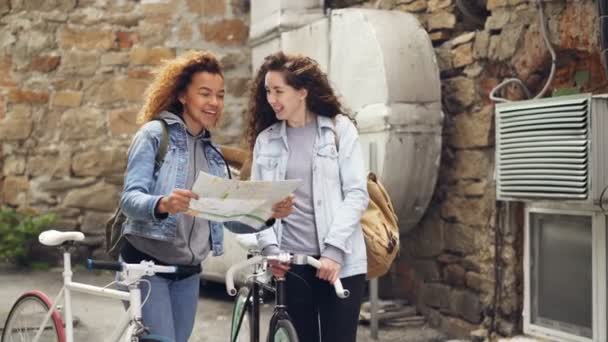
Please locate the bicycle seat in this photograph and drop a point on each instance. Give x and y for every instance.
(56, 238)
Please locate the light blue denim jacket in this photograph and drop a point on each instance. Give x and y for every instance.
(144, 187)
(339, 186)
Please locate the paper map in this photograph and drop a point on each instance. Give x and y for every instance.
(249, 202)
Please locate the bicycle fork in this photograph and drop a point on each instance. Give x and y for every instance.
(254, 313)
(280, 308)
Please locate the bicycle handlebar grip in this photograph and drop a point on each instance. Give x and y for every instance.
(103, 265)
(340, 291)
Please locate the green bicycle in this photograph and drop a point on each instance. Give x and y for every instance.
(246, 310)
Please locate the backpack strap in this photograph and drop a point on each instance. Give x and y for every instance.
(115, 239)
(162, 147)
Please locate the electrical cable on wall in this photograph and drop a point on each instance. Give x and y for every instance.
(498, 245)
(602, 198)
(543, 30)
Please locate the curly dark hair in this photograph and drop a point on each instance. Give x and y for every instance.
(300, 73)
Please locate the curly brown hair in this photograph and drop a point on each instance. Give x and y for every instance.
(300, 72)
(171, 79)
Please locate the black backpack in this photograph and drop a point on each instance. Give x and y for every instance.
(114, 237)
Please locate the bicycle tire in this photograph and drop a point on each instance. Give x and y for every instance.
(284, 331)
(25, 317)
(239, 330)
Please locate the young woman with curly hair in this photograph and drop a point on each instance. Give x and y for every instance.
(188, 95)
(297, 130)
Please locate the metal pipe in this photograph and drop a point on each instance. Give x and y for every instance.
(67, 280)
(98, 291)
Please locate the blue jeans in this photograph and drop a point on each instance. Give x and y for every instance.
(171, 307)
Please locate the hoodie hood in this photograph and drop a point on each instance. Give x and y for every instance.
(171, 119)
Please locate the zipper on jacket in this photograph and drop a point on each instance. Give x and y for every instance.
(193, 217)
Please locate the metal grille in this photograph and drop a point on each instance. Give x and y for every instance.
(542, 149)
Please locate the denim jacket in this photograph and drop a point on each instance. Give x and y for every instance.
(339, 186)
(144, 187)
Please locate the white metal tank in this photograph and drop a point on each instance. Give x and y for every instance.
(384, 65)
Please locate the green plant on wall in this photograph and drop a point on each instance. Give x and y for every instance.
(18, 232)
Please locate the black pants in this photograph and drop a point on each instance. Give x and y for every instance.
(311, 301)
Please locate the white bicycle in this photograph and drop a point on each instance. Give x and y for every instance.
(34, 317)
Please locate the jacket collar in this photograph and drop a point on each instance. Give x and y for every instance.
(279, 129)
(325, 122)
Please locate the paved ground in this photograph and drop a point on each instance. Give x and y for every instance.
(98, 315)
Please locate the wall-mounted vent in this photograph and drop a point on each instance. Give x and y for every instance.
(552, 149)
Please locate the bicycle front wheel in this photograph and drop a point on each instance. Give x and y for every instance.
(284, 331)
(239, 331)
(26, 316)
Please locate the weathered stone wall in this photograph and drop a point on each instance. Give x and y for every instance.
(73, 74)
(447, 264)
(73, 78)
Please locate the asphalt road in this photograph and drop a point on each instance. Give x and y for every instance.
(97, 316)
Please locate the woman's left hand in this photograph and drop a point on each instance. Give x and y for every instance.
(283, 209)
(329, 270)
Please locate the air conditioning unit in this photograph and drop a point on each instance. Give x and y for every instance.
(553, 149)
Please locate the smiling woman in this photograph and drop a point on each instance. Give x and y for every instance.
(298, 130)
(203, 101)
(185, 100)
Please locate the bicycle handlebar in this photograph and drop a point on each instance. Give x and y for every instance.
(103, 265)
(284, 257)
(144, 267)
(340, 291)
(230, 273)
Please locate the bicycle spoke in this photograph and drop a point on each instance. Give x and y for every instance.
(24, 321)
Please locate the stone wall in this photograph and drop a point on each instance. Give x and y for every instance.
(463, 264)
(73, 78)
(73, 74)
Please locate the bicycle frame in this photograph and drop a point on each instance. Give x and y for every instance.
(133, 314)
(280, 308)
(254, 312)
(130, 324)
(252, 308)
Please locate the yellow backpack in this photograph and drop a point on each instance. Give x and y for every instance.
(379, 225)
(380, 229)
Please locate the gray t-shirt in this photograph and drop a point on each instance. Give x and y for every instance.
(191, 244)
(299, 233)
